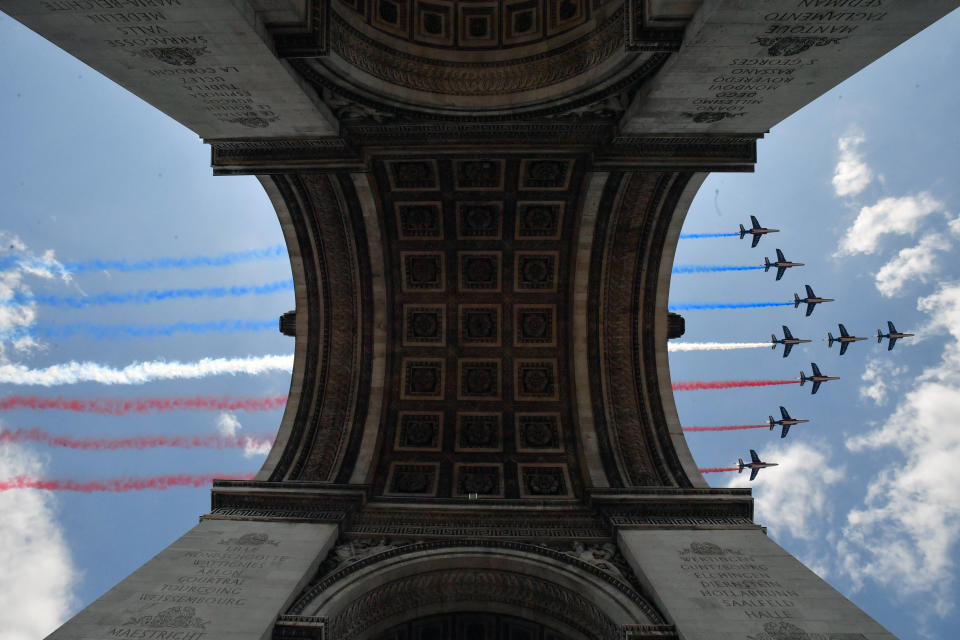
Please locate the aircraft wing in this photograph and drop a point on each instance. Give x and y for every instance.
(783, 412)
(786, 332)
(816, 385)
(843, 347)
(753, 456)
(810, 293)
(780, 256)
(780, 272)
(893, 329)
(786, 349)
(890, 344)
(756, 239)
(756, 223)
(753, 473)
(786, 428)
(843, 331)
(816, 369)
(810, 306)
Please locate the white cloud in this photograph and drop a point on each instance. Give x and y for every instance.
(16, 317)
(792, 497)
(879, 373)
(908, 528)
(890, 215)
(229, 426)
(38, 577)
(851, 175)
(913, 262)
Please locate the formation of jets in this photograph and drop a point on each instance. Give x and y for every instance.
(788, 341)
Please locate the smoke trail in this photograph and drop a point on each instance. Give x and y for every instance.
(715, 346)
(727, 384)
(125, 406)
(726, 305)
(730, 427)
(693, 236)
(119, 332)
(119, 485)
(141, 372)
(222, 260)
(717, 469)
(35, 435)
(707, 268)
(149, 296)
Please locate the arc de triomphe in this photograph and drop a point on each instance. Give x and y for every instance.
(481, 201)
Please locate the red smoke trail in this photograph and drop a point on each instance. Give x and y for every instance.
(118, 485)
(124, 406)
(136, 442)
(699, 385)
(731, 427)
(718, 469)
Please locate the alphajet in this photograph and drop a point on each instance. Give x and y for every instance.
(782, 264)
(754, 465)
(845, 339)
(893, 336)
(787, 342)
(756, 231)
(786, 422)
(812, 300)
(816, 378)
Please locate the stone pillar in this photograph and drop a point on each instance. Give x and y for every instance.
(223, 580)
(208, 64)
(731, 584)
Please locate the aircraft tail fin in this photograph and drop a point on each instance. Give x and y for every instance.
(773, 339)
(796, 301)
(772, 423)
(803, 378)
(766, 261)
(830, 339)
(740, 462)
(743, 232)
(879, 336)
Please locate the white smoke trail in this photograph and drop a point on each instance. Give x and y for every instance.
(141, 372)
(715, 346)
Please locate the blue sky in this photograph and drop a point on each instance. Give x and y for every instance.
(866, 493)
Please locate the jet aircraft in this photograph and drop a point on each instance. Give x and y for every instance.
(782, 264)
(811, 300)
(893, 336)
(754, 465)
(845, 339)
(786, 422)
(816, 378)
(756, 231)
(787, 342)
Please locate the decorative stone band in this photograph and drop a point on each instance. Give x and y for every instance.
(299, 628)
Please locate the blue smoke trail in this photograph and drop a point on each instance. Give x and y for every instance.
(222, 260)
(691, 236)
(148, 297)
(726, 305)
(120, 332)
(706, 268)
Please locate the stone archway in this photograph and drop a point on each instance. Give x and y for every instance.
(545, 589)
